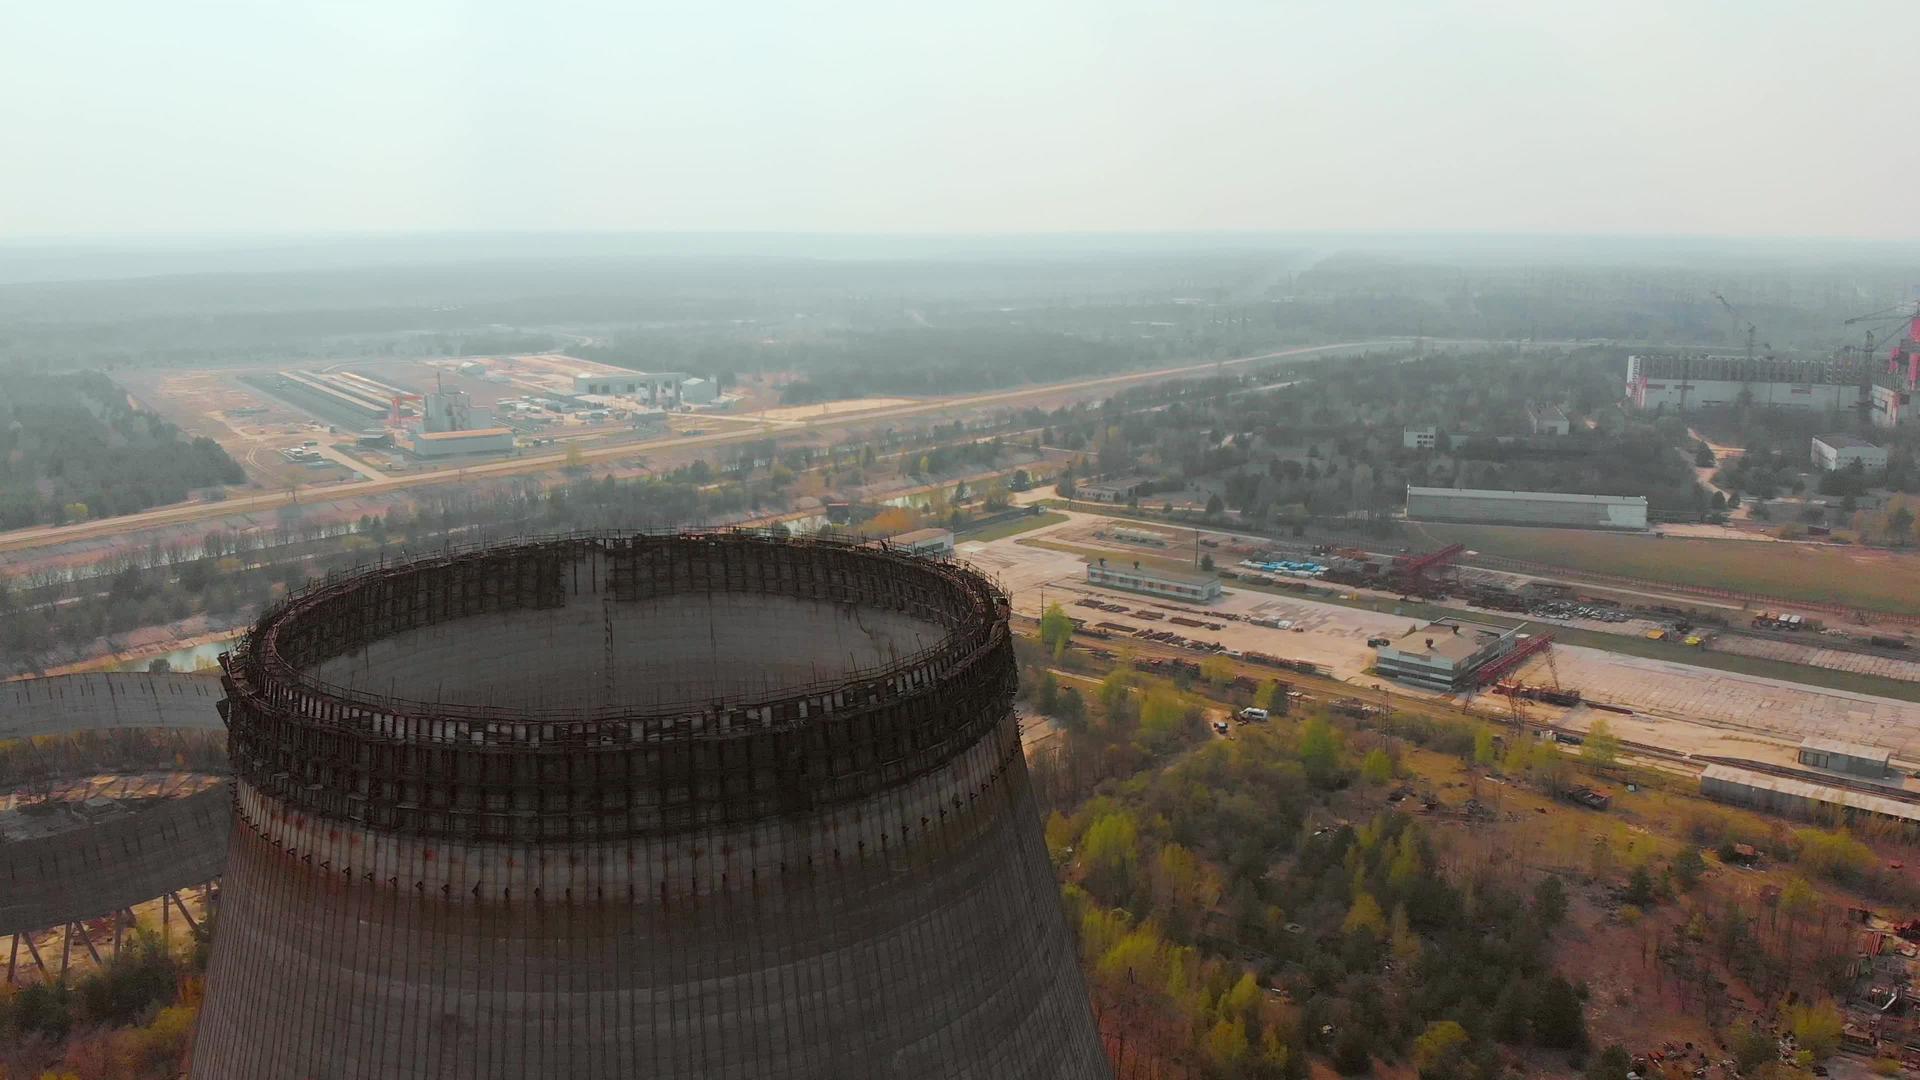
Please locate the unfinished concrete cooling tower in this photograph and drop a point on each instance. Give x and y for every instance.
(638, 806)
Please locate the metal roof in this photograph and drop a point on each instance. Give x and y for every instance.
(1157, 575)
(1455, 648)
(920, 535)
(1845, 442)
(1836, 746)
(1528, 496)
(1806, 789)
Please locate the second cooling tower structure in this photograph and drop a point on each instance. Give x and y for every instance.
(710, 805)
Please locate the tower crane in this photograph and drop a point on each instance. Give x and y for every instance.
(1752, 330)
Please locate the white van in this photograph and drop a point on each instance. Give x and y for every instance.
(1250, 714)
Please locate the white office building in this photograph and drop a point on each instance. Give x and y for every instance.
(1832, 452)
(1445, 655)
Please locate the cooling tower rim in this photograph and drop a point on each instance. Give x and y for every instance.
(258, 668)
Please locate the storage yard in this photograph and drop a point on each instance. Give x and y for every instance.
(303, 425)
(1672, 704)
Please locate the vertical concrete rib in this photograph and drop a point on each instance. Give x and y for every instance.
(700, 805)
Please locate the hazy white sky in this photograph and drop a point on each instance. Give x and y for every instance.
(1741, 117)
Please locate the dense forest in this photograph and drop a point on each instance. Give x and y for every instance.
(72, 447)
(833, 311)
(1238, 926)
(1329, 443)
(230, 575)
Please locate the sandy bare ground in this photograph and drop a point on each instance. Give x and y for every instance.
(832, 408)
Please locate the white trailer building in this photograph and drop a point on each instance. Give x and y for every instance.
(1198, 588)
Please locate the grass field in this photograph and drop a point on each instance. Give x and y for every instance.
(1874, 580)
(1004, 529)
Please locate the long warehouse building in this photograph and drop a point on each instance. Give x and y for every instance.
(1554, 508)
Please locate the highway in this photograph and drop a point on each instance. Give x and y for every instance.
(21, 539)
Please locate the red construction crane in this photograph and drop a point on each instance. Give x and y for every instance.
(1420, 564)
(1511, 661)
(1409, 571)
(393, 410)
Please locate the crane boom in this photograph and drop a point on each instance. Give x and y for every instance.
(1752, 330)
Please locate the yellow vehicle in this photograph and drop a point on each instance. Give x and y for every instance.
(1656, 635)
(1694, 639)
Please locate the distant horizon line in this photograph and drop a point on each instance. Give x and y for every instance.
(1247, 233)
(55, 259)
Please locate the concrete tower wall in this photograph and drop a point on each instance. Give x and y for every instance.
(770, 818)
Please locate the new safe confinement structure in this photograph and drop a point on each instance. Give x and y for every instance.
(702, 805)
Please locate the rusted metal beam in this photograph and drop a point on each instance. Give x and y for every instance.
(174, 898)
(87, 940)
(34, 951)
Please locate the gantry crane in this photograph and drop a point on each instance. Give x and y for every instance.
(1410, 571)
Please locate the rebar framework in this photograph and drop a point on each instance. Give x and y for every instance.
(837, 875)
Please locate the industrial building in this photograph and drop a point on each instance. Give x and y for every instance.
(1552, 508)
(935, 542)
(1419, 438)
(439, 444)
(1199, 588)
(1445, 655)
(453, 410)
(1855, 759)
(1549, 420)
(658, 388)
(1894, 387)
(1119, 489)
(1682, 381)
(1797, 797)
(1834, 452)
(702, 805)
(697, 391)
(1892, 404)
(337, 396)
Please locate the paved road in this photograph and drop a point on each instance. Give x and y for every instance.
(183, 512)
